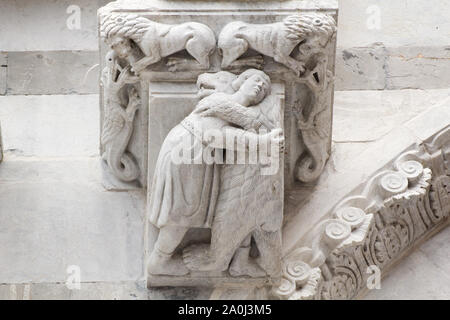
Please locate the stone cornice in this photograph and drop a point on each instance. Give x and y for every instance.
(264, 6)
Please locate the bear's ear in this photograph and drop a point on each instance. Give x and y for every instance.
(236, 84)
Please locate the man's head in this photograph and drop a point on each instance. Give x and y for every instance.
(253, 84)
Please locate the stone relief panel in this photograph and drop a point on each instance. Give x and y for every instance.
(304, 43)
(217, 221)
(240, 203)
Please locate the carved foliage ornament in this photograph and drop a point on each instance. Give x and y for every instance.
(396, 208)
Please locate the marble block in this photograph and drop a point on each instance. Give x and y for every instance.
(260, 71)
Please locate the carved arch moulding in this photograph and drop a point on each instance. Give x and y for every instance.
(162, 60)
(399, 207)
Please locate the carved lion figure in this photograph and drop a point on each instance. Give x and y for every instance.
(157, 40)
(276, 40)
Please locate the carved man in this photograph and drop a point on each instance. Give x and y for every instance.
(184, 196)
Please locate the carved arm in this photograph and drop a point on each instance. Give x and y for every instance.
(236, 114)
(242, 139)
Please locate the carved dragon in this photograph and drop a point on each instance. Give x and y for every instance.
(314, 125)
(118, 121)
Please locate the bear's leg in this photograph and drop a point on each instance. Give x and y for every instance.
(242, 264)
(269, 246)
(226, 237)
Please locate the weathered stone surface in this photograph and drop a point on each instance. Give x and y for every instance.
(418, 67)
(1, 144)
(361, 68)
(125, 290)
(50, 126)
(393, 68)
(394, 23)
(437, 117)
(3, 72)
(87, 291)
(336, 184)
(55, 214)
(52, 72)
(44, 25)
(366, 116)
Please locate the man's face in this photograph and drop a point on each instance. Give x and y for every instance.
(255, 88)
(121, 46)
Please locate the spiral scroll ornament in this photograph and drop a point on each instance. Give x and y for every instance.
(393, 183)
(286, 288)
(297, 271)
(352, 216)
(336, 231)
(413, 170)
